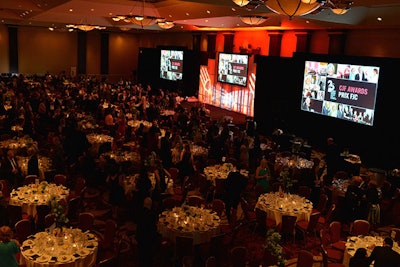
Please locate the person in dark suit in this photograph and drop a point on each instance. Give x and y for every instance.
(234, 186)
(385, 256)
(33, 162)
(11, 170)
(146, 233)
(332, 159)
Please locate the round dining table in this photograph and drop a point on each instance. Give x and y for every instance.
(199, 223)
(276, 204)
(69, 247)
(221, 171)
(367, 242)
(32, 195)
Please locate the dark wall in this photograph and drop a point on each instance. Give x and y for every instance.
(277, 105)
(149, 71)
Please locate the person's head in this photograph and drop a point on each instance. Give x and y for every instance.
(263, 163)
(360, 253)
(10, 153)
(388, 242)
(6, 234)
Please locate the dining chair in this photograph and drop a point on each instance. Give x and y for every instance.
(195, 201)
(205, 187)
(335, 231)
(60, 179)
(322, 203)
(308, 227)
(107, 237)
(169, 203)
(263, 222)
(325, 219)
(86, 221)
(326, 262)
(360, 227)
(395, 234)
(219, 189)
(333, 254)
(287, 228)
(248, 212)
(30, 179)
(41, 212)
(305, 259)
(5, 189)
(184, 247)
(238, 256)
(73, 210)
(49, 220)
(259, 190)
(23, 229)
(218, 206)
(15, 214)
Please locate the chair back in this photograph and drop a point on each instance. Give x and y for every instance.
(5, 189)
(174, 175)
(41, 212)
(23, 229)
(305, 258)
(218, 205)
(328, 216)
(49, 220)
(360, 227)
(261, 217)
(60, 179)
(169, 202)
(238, 256)
(30, 179)
(86, 221)
(14, 213)
(322, 203)
(184, 246)
(219, 190)
(74, 206)
(312, 224)
(217, 246)
(195, 201)
(288, 226)
(335, 230)
(211, 262)
(110, 232)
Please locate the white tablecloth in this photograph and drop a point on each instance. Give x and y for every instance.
(71, 248)
(199, 223)
(32, 195)
(289, 204)
(221, 171)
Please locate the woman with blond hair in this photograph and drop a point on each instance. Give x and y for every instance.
(8, 247)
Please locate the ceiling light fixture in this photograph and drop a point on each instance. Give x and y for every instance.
(241, 3)
(340, 7)
(165, 24)
(253, 20)
(139, 19)
(292, 8)
(85, 27)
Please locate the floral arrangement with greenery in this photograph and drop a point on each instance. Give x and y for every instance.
(272, 244)
(59, 211)
(285, 179)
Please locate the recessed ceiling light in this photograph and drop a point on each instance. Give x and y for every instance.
(379, 19)
(187, 14)
(206, 20)
(92, 9)
(70, 10)
(208, 12)
(233, 9)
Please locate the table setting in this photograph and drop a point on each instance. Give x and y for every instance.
(199, 223)
(32, 195)
(367, 242)
(221, 171)
(277, 204)
(67, 247)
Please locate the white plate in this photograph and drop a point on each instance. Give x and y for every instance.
(84, 252)
(29, 252)
(43, 259)
(64, 258)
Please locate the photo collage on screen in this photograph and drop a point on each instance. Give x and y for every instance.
(171, 65)
(342, 91)
(232, 68)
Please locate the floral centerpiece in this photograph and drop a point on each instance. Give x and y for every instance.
(59, 211)
(42, 187)
(286, 180)
(227, 167)
(272, 244)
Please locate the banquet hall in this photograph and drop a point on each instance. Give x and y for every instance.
(109, 131)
